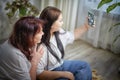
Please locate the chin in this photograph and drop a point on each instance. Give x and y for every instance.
(37, 42)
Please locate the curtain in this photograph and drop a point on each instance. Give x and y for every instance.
(100, 36)
(75, 13)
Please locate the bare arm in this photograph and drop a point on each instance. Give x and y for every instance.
(79, 31)
(51, 75)
(33, 71)
(34, 62)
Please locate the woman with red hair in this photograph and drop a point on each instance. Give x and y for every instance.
(19, 55)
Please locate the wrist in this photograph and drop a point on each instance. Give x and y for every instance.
(34, 62)
(86, 27)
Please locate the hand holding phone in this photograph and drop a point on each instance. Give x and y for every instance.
(91, 19)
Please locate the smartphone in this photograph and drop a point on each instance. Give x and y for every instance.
(91, 19)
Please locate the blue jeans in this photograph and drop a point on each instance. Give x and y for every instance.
(80, 69)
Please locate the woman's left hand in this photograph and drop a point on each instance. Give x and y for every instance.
(37, 54)
(87, 26)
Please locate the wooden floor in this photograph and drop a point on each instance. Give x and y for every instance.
(105, 62)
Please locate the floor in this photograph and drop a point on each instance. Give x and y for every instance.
(106, 63)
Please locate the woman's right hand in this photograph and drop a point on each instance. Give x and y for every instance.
(37, 54)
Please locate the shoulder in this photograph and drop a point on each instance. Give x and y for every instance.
(8, 48)
(13, 62)
(9, 52)
(66, 37)
(66, 34)
(62, 30)
(62, 33)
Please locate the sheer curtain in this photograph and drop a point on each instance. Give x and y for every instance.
(75, 13)
(100, 36)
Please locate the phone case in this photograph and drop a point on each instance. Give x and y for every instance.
(91, 18)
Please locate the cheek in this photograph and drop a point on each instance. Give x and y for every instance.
(37, 38)
(58, 25)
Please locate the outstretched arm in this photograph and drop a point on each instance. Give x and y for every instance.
(80, 30)
(52, 75)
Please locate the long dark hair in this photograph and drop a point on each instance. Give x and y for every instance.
(23, 34)
(50, 15)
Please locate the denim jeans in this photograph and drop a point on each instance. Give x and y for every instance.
(80, 69)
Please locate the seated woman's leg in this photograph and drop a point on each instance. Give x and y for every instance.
(80, 69)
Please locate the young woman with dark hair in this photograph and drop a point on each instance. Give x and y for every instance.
(19, 55)
(52, 66)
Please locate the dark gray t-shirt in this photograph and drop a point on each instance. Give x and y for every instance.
(13, 63)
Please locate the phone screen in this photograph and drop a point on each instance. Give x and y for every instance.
(91, 20)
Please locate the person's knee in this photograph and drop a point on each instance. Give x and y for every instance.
(85, 64)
